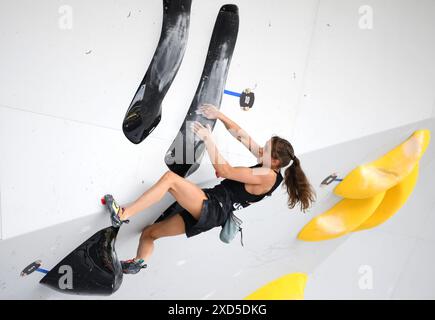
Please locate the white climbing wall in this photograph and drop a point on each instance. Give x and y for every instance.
(341, 89)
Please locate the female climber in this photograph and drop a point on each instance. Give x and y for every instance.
(197, 210)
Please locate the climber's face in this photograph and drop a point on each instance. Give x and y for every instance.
(266, 158)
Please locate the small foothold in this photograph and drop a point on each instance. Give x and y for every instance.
(329, 179)
(31, 268)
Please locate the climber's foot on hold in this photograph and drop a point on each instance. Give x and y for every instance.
(115, 210)
(133, 266)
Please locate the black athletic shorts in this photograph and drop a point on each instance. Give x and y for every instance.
(215, 211)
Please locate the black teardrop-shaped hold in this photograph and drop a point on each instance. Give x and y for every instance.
(92, 268)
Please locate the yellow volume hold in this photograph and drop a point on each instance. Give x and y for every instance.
(367, 180)
(288, 287)
(341, 219)
(394, 199)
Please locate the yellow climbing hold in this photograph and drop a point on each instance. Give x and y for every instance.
(288, 287)
(394, 199)
(384, 173)
(341, 219)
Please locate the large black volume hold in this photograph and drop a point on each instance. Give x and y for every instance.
(145, 110)
(92, 268)
(185, 153)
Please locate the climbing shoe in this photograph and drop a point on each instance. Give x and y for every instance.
(132, 266)
(114, 209)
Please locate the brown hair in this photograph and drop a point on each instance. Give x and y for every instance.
(298, 187)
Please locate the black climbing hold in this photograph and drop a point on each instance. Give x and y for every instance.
(247, 99)
(92, 268)
(187, 147)
(31, 268)
(145, 110)
(329, 179)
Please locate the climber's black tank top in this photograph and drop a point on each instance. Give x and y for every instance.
(240, 197)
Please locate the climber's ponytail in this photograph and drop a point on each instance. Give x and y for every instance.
(298, 187)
